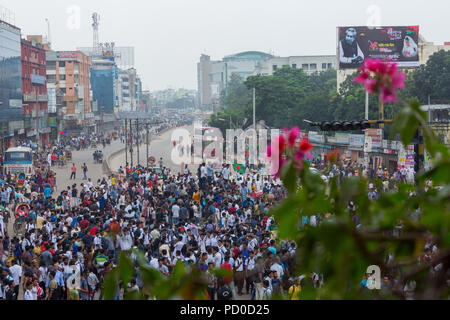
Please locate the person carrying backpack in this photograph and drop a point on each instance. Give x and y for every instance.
(223, 292)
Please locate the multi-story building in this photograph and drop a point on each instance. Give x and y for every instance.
(11, 117)
(123, 56)
(308, 64)
(213, 76)
(34, 88)
(127, 91)
(103, 82)
(69, 73)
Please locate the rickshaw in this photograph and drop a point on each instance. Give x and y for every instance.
(22, 210)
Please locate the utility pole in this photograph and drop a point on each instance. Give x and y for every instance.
(381, 111)
(137, 140)
(254, 108)
(367, 106)
(37, 118)
(146, 129)
(131, 143)
(126, 142)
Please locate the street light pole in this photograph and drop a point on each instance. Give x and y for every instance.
(254, 108)
(126, 143)
(131, 143)
(137, 140)
(146, 128)
(37, 119)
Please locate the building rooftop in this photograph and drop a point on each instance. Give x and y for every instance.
(249, 55)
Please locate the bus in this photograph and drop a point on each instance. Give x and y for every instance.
(18, 160)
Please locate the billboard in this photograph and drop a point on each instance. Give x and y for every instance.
(400, 44)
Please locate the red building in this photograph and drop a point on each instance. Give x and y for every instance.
(34, 90)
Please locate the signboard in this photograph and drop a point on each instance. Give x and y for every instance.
(368, 144)
(69, 55)
(377, 137)
(313, 136)
(342, 137)
(42, 98)
(400, 44)
(52, 122)
(15, 103)
(38, 79)
(356, 140)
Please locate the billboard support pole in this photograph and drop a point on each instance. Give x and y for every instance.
(367, 106)
(381, 111)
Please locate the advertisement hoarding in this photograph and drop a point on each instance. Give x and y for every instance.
(342, 137)
(356, 140)
(400, 44)
(376, 137)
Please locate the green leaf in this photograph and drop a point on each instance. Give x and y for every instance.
(289, 176)
(125, 267)
(110, 284)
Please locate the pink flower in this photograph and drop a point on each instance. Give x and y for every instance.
(269, 151)
(305, 146)
(281, 143)
(388, 96)
(371, 86)
(398, 80)
(381, 77)
(372, 65)
(362, 77)
(293, 135)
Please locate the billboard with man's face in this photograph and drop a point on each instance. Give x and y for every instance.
(400, 44)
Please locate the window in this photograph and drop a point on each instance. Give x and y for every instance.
(62, 77)
(294, 65)
(63, 90)
(324, 65)
(51, 65)
(62, 64)
(313, 66)
(274, 67)
(305, 66)
(330, 66)
(51, 78)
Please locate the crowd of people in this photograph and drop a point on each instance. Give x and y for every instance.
(208, 219)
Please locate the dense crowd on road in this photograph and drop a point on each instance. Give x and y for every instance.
(209, 219)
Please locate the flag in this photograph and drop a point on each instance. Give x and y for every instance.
(239, 168)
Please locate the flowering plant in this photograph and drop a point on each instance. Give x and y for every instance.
(285, 151)
(383, 77)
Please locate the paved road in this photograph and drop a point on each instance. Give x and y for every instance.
(159, 146)
(95, 170)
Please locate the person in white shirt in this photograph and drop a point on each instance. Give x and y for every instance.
(175, 214)
(16, 272)
(239, 275)
(278, 268)
(28, 294)
(126, 241)
(217, 257)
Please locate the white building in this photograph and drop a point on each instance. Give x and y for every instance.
(127, 90)
(308, 64)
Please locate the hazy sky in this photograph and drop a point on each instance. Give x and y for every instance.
(170, 35)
